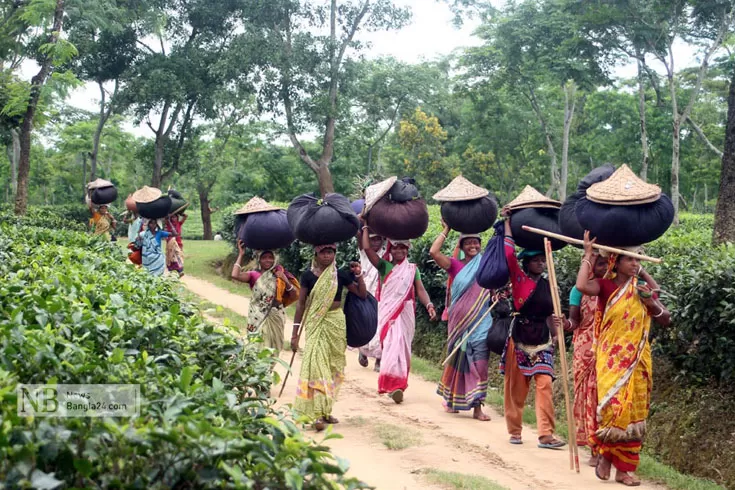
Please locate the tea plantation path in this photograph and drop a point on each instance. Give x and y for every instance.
(435, 440)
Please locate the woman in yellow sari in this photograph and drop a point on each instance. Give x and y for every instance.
(319, 308)
(622, 360)
(102, 221)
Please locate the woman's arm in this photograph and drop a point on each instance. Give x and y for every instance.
(358, 288)
(505, 212)
(371, 254)
(290, 291)
(300, 306)
(423, 297)
(436, 249)
(659, 313)
(575, 316)
(587, 286)
(649, 279)
(183, 218)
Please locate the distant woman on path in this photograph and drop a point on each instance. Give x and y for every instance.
(102, 221)
(400, 285)
(464, 382)
(584, 318)
(529, 350)
(372, 283)
(175, 244)
(274, 288)
(319, 310)
(622, 360)
(153, 259)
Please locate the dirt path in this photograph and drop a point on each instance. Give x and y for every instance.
(452, 443)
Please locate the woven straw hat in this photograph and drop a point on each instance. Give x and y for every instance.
(623, 188)
(376, 191)
(147, 194)
(460, 189)
(531, 198)
(99, 183)
(256, 205)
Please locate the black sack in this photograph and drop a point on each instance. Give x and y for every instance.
(546, 219)
(596, 175)
(175, 194)
(322, 221)
(493, 272)
(160, 208)
(497, 336)
(404, 190)
(104, 195)
(399, 220)
(568, 223)
(361, 316)
(474, 216)
(626, 226)
(265, 231)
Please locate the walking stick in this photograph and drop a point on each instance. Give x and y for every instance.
(290, 365)
(573, 449)
(464, 341)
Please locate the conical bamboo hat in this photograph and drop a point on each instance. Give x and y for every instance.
(147, 194)
(99, 183)
(460, 189)
(623, 188)
(531, 198)
(377, 191)
(256, 205)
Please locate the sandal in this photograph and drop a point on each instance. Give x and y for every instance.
(554, 443)
(363, 360)
(516, 440)
(320, 425)
(628, 479)
(331, 420)
(598, 469)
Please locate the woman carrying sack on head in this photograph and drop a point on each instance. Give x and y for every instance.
(622, 360)
(102, 222)
(529, 349)
(274, 288)
(153, 258)
(464, 382)
(584, 318)
(319, 310)
(400, 285)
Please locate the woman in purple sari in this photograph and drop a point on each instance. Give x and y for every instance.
(464, 382)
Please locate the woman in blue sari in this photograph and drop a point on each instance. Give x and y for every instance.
(154, 259)
(464, 382)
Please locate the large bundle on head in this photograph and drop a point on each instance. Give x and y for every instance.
(361, 317)
(568, 222)
(178, 203)
(493, 272)
(531, 208)
(466, 207)
(394, 209)
(102, 192)
(624, 211)
(358, 206)
(320, 221)
(263, 226)
(152, 203)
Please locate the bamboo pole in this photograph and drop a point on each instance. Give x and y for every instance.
(573, 449)
(464, 341)
(290, 365)
(575, 241)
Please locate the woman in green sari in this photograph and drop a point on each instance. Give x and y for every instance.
(319, 309)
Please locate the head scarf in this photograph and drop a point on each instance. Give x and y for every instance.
(528, 254)
(463, 236)
(405, 243)
(259, 254)
(319, 248)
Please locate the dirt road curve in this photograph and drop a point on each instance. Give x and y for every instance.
(441, 441)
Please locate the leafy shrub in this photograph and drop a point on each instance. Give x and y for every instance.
(86, 317)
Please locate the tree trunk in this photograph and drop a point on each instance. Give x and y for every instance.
(570, 93)
(97, 134)
(642, 115)
(326, 186)
(14, 158)
(26, 128)
(84, 176)
(675, 143)
(724, 230)
(206, 213)
(555, 184)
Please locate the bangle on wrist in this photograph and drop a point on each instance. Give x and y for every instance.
(237, 265)
(660, 314)
(587, 261)
(443, 234)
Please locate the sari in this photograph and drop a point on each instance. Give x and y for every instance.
(464, 382)
(397, 325)
(153, 258)
(583, 362)
(624, 367)
(267, 313)
(323, 364)
(174, 256)
(102, 224)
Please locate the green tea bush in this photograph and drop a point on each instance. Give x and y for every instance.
(71, 311)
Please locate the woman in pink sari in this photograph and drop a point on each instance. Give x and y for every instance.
(400, 285)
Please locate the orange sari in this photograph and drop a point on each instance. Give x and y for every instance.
(585, 381)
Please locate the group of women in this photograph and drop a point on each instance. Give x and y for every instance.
(611, 311)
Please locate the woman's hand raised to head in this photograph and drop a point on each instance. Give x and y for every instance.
(241, 247)
(356, 268)
(445, 227)
(589, 249)
(505, 212)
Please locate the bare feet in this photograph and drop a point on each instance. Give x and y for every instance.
(331, 420)
(593, 461)
(478, 414)
(602, 470)
(377, 366)
(550, 442)
(627, 478)
(450, 410)
(397, 396)
(363, 360)
(320, 425)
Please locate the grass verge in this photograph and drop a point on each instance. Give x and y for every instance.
(460, 481)
(396, 438)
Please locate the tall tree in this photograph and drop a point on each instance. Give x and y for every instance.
(303, 66)
(724, 230)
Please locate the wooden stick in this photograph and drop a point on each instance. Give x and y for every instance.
(464, 341)
(290, 365)
(613, 250)
(573, 449)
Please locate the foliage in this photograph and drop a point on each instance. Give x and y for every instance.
(86, 317)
